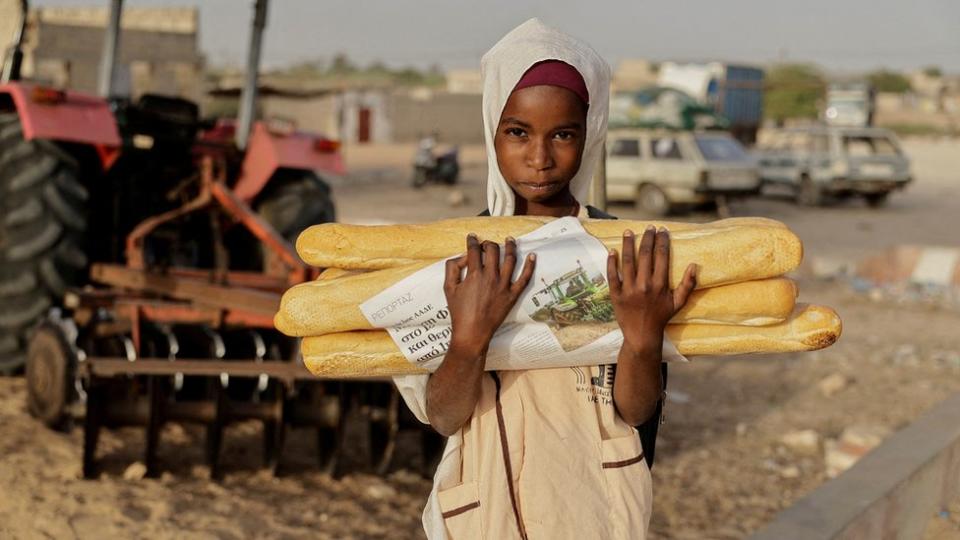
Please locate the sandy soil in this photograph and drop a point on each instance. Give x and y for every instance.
(721, 469)
(946, 524)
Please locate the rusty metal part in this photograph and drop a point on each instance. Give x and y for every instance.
(262, 230)
(131, 380)
(137, 237)
(250, 304)
(253, 280)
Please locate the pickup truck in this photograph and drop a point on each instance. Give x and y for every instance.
(817, 162)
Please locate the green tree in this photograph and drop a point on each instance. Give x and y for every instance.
(341, 65)
(933, 71)
(793, 91)
(377, 67)
(408, 75)
(889, 81)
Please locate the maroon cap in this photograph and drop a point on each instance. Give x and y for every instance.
(555, 73)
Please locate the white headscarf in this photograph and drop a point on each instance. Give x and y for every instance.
(501, 69)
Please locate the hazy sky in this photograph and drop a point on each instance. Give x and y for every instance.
(841, 35)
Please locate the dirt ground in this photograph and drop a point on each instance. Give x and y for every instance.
(722, 470)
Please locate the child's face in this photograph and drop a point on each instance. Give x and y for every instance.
(539, 141)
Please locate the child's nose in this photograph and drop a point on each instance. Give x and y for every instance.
(541, 155)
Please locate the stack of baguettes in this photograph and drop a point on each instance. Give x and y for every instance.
(742, 304)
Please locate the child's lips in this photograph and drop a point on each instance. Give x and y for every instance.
(540, 186)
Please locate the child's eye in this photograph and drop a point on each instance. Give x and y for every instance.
(565, 135)
(515, 131)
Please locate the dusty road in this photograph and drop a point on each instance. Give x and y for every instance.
(722, 469)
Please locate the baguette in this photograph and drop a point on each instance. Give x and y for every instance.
(372, 247)
(724, 255)
(373, 353)
(335, 273)
(328, 307)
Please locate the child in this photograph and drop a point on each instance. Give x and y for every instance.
(547, 453)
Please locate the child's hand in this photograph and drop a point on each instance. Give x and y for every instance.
(481, 300)
(642, 299)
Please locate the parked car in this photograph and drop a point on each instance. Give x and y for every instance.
(663, 170)
(820, 161)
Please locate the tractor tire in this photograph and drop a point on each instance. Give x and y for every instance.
(295, 200)
(43, 221)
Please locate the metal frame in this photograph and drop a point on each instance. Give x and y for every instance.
(133, 389)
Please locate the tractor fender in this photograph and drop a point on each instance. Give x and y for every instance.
(267, 152)
(66, 116)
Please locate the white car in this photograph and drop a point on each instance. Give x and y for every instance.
(818, 161)
(663, 170)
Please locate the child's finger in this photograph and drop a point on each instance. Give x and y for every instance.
(491, 256)
(661, 260)
(687, 285)
(645, 256)
(613, 277)
(473, 253)
(629, 256)
(509, 260)
(521, 283)
(452, 277)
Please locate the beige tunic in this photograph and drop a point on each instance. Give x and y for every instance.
(576, 469)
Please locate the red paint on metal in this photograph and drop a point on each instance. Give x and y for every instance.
(79, 118)
(108, 155)
(267, 152)
(135, 240)
(231, 202)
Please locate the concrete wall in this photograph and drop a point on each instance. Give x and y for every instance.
(455, 118)
(398, 116)
(320, 115)
(159, 62)
(941, 111)
(464, 81)
(381, 122)
(889, 494)
(158, 49)
(9, 24)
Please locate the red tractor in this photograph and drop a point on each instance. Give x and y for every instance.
(78, 173)
(142, 255)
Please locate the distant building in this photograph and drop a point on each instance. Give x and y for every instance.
(634, 74)
(358, 111)
(158, 50)
(464, 81)
(9, 24)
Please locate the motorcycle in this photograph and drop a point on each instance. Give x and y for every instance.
(429, 167)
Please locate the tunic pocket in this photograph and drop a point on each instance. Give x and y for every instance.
(629, 487)
(621, 452)
(460, 508)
